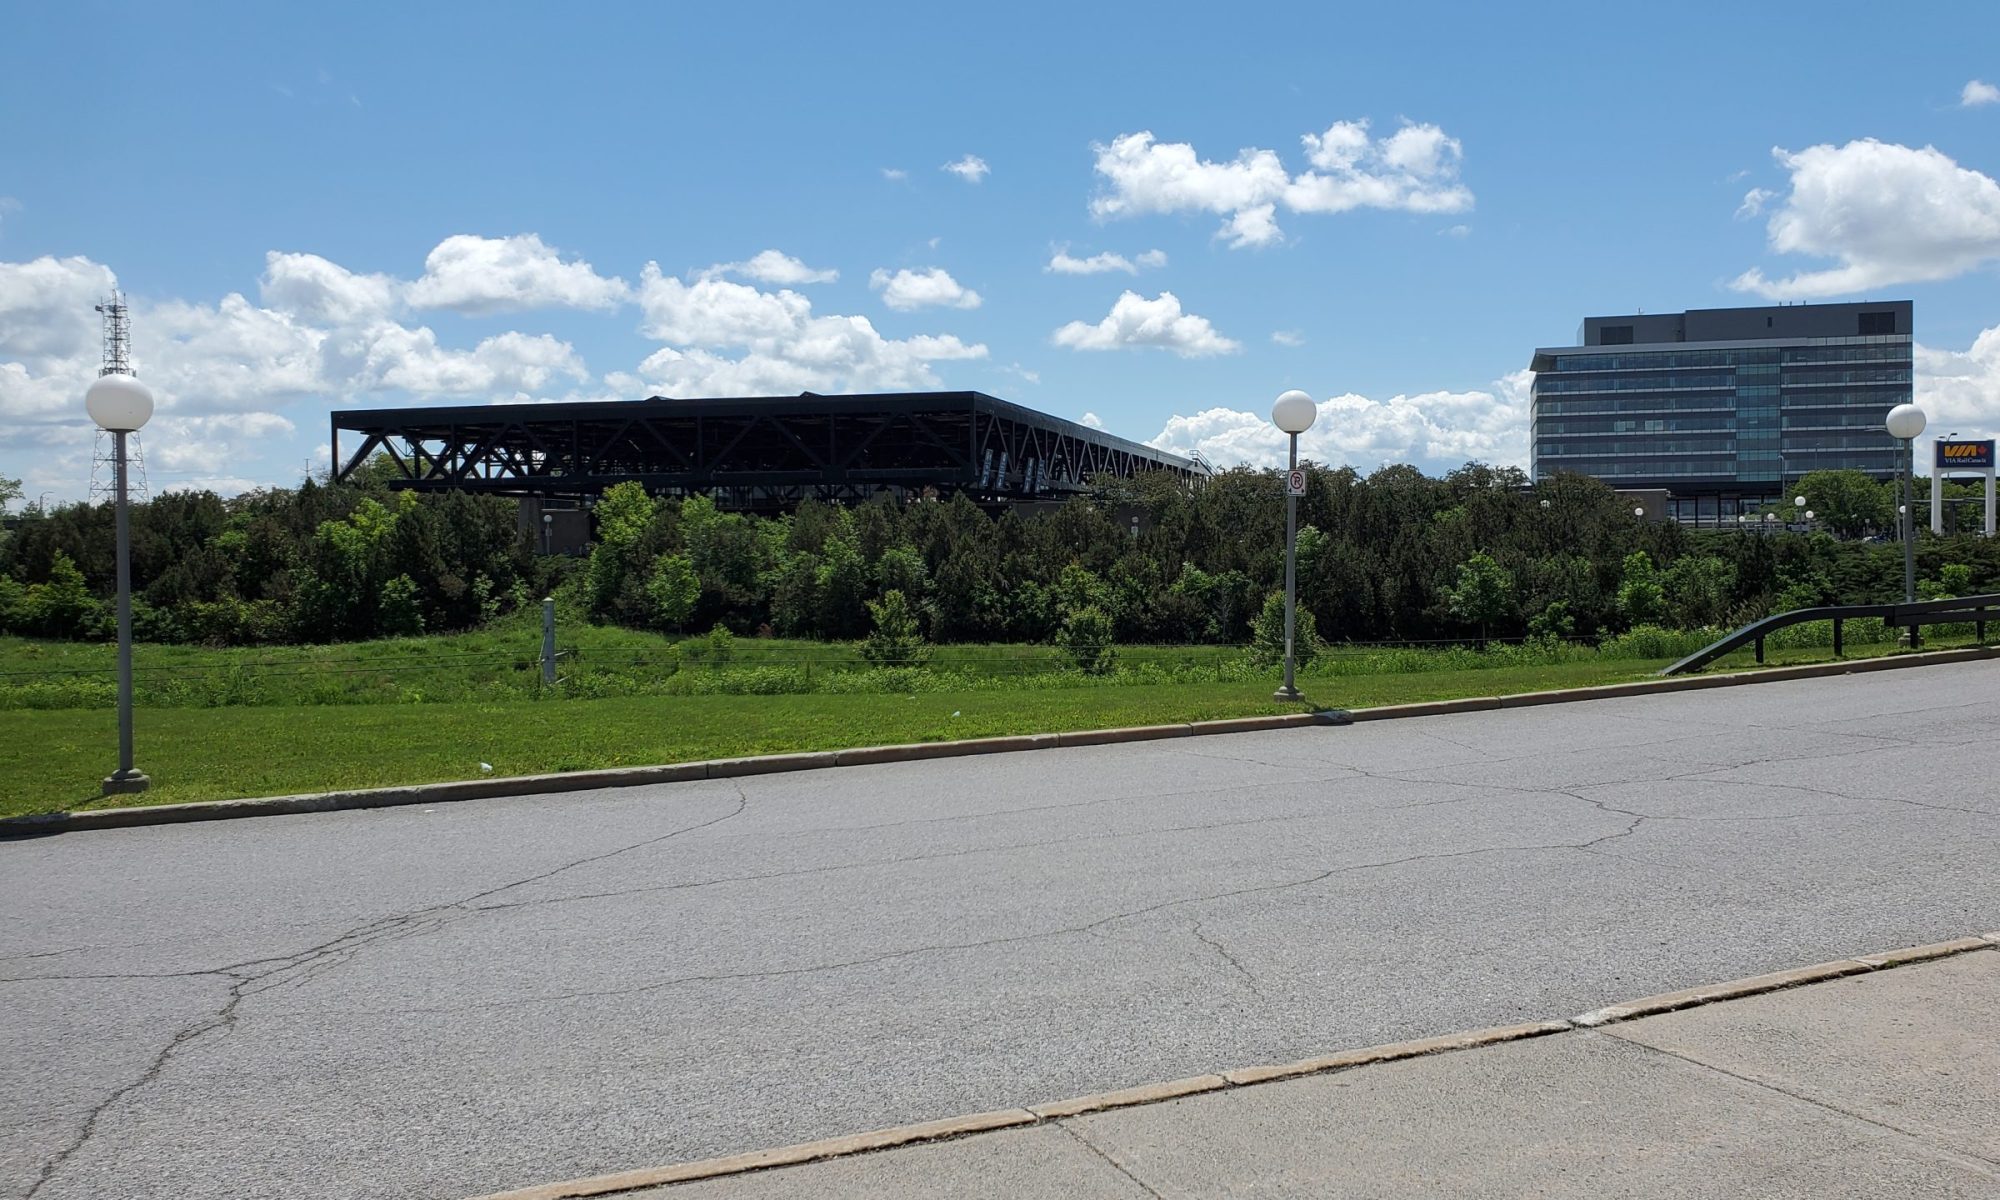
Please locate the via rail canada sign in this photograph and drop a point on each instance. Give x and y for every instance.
(1976, 455)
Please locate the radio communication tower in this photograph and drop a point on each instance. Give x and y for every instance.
(118, 361)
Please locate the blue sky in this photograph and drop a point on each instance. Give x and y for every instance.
(1518, 170)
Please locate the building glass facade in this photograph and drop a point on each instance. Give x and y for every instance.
(1723, 408)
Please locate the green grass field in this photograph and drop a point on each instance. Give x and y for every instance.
(429, 709)
(52, 760)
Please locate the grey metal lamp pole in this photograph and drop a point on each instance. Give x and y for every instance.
(1905, 422)
(1293, 413)
(121, 405)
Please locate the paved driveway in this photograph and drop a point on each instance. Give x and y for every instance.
(449, 1001)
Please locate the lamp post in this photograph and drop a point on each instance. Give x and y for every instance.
(1293, 413)
(548, 533)
(1905, 422)
(120, 405)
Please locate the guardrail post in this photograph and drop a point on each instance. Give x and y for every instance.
(1760, 652)
(1837, 623)
(549, 642)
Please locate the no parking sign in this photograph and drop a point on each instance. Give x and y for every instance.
(1295, 483)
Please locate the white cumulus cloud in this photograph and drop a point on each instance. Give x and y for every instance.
(1136, 323)
(971, 168)
(907, 290)
(1092, 420)
(1961, 389)
(1887, 213)
(473, 274)
(772, 266)
(1434, 430)
(222, 372)
(316, 290)
(731, 339)
(1062, 262)
(1288, 337)
(1414, 169)
(1976, 93)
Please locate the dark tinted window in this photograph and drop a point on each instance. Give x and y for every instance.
(1614, 335)
(1877, 323)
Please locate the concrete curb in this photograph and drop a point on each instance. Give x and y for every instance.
(39, 824)
(1156, 1093)
(1150, 1093)
(1395, 1050)
(783, 1156)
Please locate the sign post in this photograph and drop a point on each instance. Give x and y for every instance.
(1961, 456)
(1295, 483)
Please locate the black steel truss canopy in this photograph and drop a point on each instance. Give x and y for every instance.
(751, 452)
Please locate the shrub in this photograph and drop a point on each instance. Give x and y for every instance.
(714, 648)
(1085, 639)
(1651, 641)
(1641, 600)
(672, 590)
(63, 607)
(1267, 645)
(400, 615)
(1554, 621)
(896, 640)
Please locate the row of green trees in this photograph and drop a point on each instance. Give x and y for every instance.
(1394, 555)
(314, 563)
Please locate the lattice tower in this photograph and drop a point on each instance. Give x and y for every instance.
(117, 360)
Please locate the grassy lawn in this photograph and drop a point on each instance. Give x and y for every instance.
(53, 760)
(499, 663)
(341, 716)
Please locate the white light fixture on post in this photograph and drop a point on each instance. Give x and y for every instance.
(1293, 414)
(120, 405)
(1905, 422)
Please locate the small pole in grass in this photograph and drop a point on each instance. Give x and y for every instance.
(549, 641)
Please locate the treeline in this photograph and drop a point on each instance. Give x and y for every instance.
(1391, 556)
(316, 563)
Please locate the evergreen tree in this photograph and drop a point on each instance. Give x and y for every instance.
(895, 641)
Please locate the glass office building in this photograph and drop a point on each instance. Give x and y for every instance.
(1723, 408)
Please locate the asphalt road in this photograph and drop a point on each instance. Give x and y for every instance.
(449, 1001)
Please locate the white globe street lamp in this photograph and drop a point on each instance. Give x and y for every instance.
(121, 405)
(1293, 414)
(1904, 423)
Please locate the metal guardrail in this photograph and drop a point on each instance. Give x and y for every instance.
(1973, 610)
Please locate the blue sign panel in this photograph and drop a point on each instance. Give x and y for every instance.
(1977, 455)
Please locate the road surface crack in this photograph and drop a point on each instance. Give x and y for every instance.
(1201, 934)
(256, 976)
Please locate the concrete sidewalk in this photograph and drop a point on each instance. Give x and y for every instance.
(1885, 1084)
